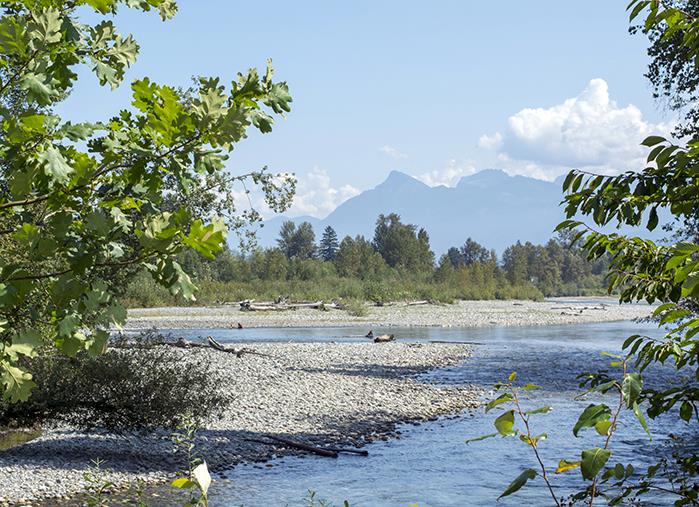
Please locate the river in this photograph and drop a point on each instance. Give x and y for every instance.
(430, 464)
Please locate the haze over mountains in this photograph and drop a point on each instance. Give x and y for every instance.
(492, 207)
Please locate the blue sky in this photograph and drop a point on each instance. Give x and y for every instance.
(436, 89)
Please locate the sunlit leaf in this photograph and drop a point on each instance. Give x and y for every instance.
(564, 466)
(505, 423)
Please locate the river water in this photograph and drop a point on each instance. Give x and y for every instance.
(430, 464)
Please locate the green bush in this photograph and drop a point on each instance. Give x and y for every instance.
(147, 386)
(356, 308)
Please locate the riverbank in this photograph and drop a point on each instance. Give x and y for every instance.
(322, 393)
(459, 314)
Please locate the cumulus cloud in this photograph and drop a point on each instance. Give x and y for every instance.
(393, 152)
(317, 196)
(588, 131)
(448, 176)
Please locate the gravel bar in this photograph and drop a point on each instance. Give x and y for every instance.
(460, 314)
(323, 393)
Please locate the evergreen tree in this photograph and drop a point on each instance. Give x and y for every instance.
(328, 244)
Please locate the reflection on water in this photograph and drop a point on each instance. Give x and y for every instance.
(431, 465)
(13, 438)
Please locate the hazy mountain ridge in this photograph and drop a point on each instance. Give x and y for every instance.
(490, 206)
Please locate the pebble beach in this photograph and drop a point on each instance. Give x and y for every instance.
(341, 394)
(467, 314)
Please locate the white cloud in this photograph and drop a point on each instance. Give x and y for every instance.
(588, 131)
(393, 152)
(316, 196)
(493, 142)
(449, 175)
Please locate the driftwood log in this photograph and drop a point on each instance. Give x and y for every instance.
(580, 310)
(282, 305)
(423, 302)
(328, 452)
(212, 343)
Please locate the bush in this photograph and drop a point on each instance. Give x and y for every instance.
(142, 291)
(144, 387)
(356, 308)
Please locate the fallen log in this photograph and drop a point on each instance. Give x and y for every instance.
(283, 306)
(329, 452)
(232, 350)
(360, 452)
(417, 303)
(296, 445)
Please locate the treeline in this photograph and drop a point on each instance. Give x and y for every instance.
(397, 263)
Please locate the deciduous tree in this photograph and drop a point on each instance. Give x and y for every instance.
(82, 202)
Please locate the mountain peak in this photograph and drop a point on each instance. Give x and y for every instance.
(484, 177)
(491, 207)
(399, 179)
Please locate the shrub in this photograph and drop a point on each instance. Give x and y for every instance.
(356, 308)
(147, 386)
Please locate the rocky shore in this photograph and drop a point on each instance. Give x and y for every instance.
(460, 314)
(328, 393)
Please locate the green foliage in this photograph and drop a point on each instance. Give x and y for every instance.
(591, 417)
(592, 462)
(84, 206)
(672, 69)
(268, 274)
(358, 271)
(557, 268)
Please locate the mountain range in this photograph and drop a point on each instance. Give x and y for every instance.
(490, 206)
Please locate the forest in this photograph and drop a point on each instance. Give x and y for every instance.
(396, 264)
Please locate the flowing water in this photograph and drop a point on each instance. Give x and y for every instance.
(430, 464)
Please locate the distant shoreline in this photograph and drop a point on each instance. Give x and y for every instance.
(466, 314)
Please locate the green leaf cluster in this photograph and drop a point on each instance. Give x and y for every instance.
(85, 206)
